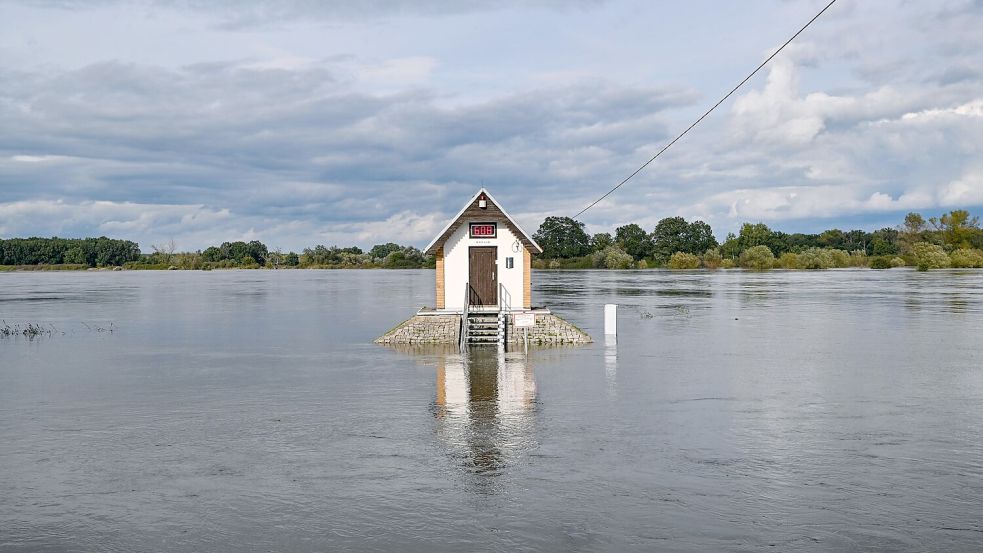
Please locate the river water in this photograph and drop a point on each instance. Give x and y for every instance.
(249, 411)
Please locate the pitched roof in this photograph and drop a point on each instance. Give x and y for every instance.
(493, 212)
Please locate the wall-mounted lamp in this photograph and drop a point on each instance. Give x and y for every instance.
(482, 201)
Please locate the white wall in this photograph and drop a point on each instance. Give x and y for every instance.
(456, 265)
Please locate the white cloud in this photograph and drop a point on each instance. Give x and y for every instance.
(965, 191)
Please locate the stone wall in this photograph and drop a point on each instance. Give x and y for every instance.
(424, 329)
(550, 330)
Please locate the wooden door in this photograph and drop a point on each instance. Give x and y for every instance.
(483, 275)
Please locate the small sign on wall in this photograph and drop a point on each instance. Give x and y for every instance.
(483, 230)
(525, 320)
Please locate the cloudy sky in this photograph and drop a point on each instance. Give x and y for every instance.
(298, 122)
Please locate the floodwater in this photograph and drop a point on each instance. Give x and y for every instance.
(249, 411)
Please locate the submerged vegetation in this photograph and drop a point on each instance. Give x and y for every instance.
(33, 330)
(29, 330)
(954, 239)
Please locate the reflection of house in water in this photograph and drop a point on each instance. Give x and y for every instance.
(485, 402)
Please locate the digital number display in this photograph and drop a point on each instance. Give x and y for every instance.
(483, 230)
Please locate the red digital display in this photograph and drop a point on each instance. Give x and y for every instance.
(483, 230)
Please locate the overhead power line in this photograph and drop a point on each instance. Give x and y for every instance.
(707, 112)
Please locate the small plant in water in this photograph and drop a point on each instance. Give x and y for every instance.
(30, 330)
(35, 330)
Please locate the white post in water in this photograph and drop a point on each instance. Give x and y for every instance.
(610, 319)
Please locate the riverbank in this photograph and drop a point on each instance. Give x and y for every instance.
(544, 266)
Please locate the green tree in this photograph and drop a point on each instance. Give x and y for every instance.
(700, 238)
(670, 235)
(884, 242)
(634, 241)
(600, 241)
(75, 255)
(911, 232)
(759, 234)
(562, 237)
(731, 247)
(832, 238)
(799, 241)
(858, 240)
(957, 228)
(380, 251)
(914, 223)
(258, 251)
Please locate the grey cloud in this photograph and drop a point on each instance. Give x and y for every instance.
(253, 13)
(233, 135)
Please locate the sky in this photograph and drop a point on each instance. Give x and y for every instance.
(303, 122)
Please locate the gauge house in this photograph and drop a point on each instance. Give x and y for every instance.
(484, 259)
(483, 285)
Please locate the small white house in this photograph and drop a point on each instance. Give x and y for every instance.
(483, 257)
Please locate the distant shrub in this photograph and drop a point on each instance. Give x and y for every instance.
(727, 263)
(616, 258)
(758, 258)
(858, 258)
(930, 256)
(967, 258)
(642, 264)
(897, 262)
(880, 262)
(554, 264)
(841, 259)
(712, 258)
(816, 258)
(585, 262)
(683, 260)
(788, 260)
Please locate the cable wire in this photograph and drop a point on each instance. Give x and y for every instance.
(707, 112)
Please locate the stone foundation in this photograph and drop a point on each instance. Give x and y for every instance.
(424, 329)
(550, 330)
(442, 328)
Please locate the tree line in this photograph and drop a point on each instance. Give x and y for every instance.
(255, 255)
(87, 252)
(952, 240)
(82, 253)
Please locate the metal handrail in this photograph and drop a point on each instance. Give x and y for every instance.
(464, 317)
(504, 304)
(504, 299)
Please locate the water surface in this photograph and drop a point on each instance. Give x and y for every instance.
(249, 411)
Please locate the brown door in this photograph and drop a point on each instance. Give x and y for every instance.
(483, 275)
